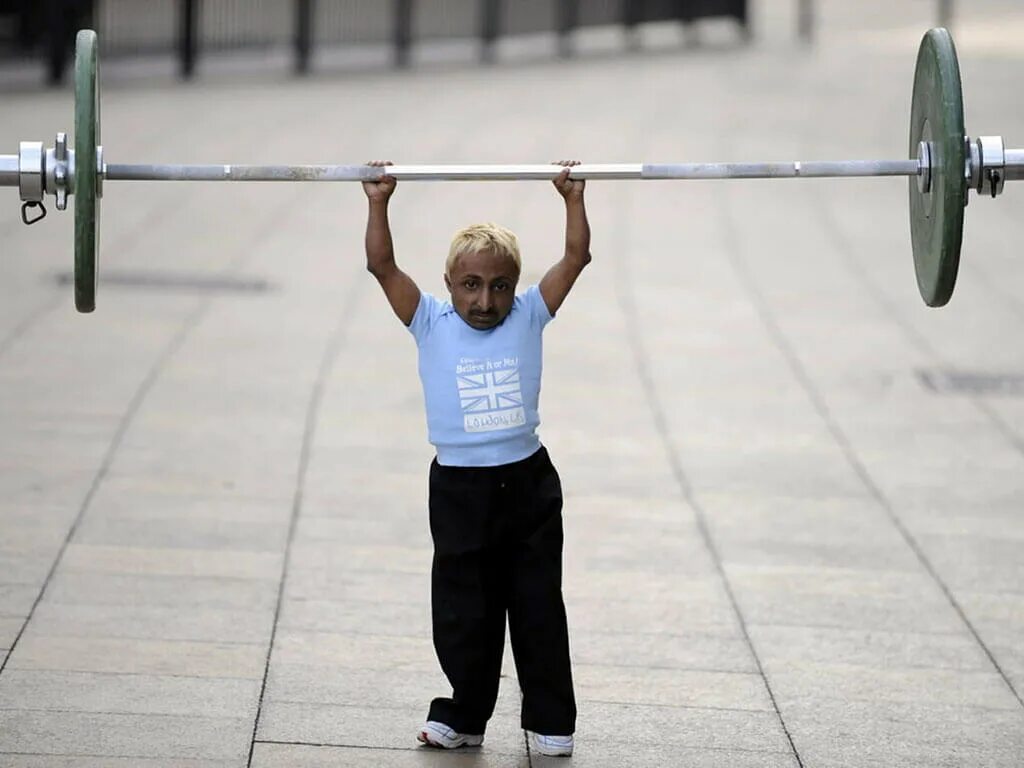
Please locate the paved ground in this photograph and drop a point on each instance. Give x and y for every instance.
(789, 541)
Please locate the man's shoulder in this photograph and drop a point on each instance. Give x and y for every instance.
(532, 307)
(430, 314)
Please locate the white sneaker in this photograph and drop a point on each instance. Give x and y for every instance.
(554, 746)
(436, 734)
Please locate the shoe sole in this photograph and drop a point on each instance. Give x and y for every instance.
(425, 737)
(552, 752)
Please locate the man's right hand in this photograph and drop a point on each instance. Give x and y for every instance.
(382, 189)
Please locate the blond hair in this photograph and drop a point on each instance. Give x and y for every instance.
(483, 237)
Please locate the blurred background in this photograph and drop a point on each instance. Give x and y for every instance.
(189, 29)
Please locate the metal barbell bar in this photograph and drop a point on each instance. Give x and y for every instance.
(946, 166)
(31, 170)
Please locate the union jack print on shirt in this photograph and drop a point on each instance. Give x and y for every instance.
(490, 391)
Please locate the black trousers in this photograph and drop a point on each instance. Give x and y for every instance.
(498, 551)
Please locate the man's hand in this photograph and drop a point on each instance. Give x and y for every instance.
(570, 189)
(380, 191)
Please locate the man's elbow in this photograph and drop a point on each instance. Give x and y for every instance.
(379, 269)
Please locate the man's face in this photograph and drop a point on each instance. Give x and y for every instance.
(483, 287)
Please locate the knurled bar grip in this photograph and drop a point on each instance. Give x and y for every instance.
(779, 170)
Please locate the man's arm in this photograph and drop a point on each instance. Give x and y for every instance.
(401, 291)
(558, 281)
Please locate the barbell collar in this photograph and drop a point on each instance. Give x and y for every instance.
(31, 170)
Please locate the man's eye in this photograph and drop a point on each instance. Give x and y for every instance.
(469, 285)
(501, 286)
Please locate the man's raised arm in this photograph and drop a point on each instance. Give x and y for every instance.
(402, 293)
(556, 284)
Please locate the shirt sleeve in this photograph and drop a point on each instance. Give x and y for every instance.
(427, 312)
(536, 307)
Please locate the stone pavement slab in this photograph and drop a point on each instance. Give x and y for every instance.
(877, 649)
(144, 622)
(192, 592)
(142, 694)
(125, 735)
(143, 657)
(831, 733)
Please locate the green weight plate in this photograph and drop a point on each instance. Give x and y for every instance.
(87, 138)
(937, 217)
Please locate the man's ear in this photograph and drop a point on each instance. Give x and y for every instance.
(447, 282)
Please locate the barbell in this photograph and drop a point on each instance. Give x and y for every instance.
(944, 164)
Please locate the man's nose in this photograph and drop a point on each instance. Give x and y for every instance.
(485, 300)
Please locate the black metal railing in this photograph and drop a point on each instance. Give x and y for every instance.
(190, 27)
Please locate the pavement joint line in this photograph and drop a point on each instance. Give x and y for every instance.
(337, 339)
(817, 400)
(623, 290)
(188, 324)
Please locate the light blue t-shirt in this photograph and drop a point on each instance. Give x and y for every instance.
(481, 388)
